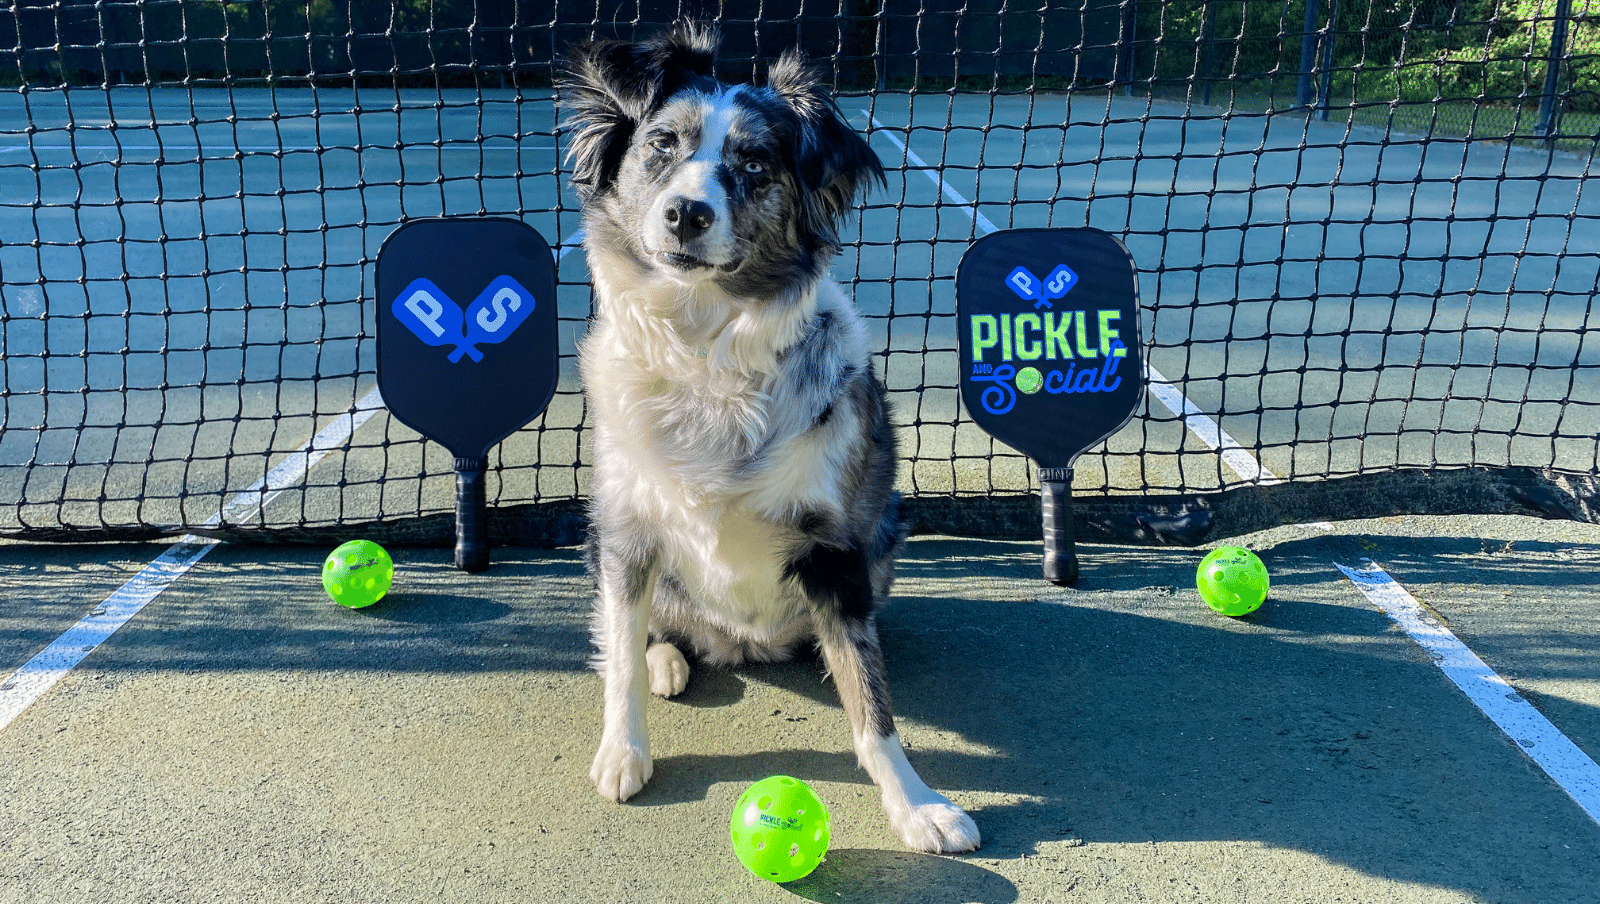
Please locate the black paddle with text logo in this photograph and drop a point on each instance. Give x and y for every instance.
(467, 351)
(1051, 360)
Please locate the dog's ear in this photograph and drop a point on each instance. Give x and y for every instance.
(835, 164)
(612, 86)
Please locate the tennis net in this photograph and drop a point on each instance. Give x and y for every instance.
(1368, 238)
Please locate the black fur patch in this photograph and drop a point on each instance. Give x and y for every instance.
(812, 524)
(612, 87)
(834, 576)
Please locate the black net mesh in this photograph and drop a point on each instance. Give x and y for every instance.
(1368, 238)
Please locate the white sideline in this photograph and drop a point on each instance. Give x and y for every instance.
(36, 676)
(1552, 751)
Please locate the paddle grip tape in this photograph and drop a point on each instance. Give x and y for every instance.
(472, 515)
(1055, 501)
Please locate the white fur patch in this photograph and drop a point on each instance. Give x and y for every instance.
(669, 671)
(696, 179)
(923, 818)
(622, 765)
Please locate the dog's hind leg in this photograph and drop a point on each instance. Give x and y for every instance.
(621, 630)
(669, 671)
(839, 585)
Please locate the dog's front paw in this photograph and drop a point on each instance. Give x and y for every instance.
(669, 671)
(935, 825)
(620, 770)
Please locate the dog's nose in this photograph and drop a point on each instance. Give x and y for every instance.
(688, 219)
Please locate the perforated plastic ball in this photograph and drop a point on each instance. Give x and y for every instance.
(357, 574)
(780, 829)
(1233, 581)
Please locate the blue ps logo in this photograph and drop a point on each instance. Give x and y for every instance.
(436, 320)
(1042, 291)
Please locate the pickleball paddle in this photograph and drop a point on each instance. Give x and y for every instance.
(467, 351)
(1051, 360)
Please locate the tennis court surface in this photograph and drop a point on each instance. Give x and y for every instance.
(244, 738)
(1366, 243)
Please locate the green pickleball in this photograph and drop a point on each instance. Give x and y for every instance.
(1232, 580)
(780, 829)
(1029, 380)
(357, 574)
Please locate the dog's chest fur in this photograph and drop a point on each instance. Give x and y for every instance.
(721, 426)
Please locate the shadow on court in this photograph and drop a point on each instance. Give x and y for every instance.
(1115, 742)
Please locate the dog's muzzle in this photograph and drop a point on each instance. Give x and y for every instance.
(687, 223)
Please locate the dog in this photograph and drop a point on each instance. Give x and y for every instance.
(742, 500)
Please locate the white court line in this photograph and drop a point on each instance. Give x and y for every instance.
(573, 243)
(36, 676)
(1554, 752)
(967, 207)
(1207, 430)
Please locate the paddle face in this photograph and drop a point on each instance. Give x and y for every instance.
(466, 329)
(1048, 324)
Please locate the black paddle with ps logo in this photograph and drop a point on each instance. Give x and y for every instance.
(467, 349)
(1051, 361)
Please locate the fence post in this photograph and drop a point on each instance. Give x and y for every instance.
(1308, 53)
(1128, 19)
(1325, 60)
(1549, 105)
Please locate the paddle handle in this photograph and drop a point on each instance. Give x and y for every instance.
(1055, 502)
(472, 515)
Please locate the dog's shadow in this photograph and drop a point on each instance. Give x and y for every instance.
(712, 687)
(1111, 714)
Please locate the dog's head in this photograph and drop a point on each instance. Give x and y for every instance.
(695, 179)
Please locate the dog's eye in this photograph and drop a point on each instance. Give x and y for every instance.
(754, 167)
(663, 144)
